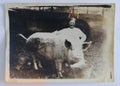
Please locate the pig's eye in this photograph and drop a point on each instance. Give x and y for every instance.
(80, 37)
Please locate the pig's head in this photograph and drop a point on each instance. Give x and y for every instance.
(74, 40)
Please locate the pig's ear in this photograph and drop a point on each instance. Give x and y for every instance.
(68, 44)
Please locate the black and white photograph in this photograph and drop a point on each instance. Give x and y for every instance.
(60, 42)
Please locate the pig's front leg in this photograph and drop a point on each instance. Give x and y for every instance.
(58, 63)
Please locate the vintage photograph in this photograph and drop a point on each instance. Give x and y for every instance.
(60, 42)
